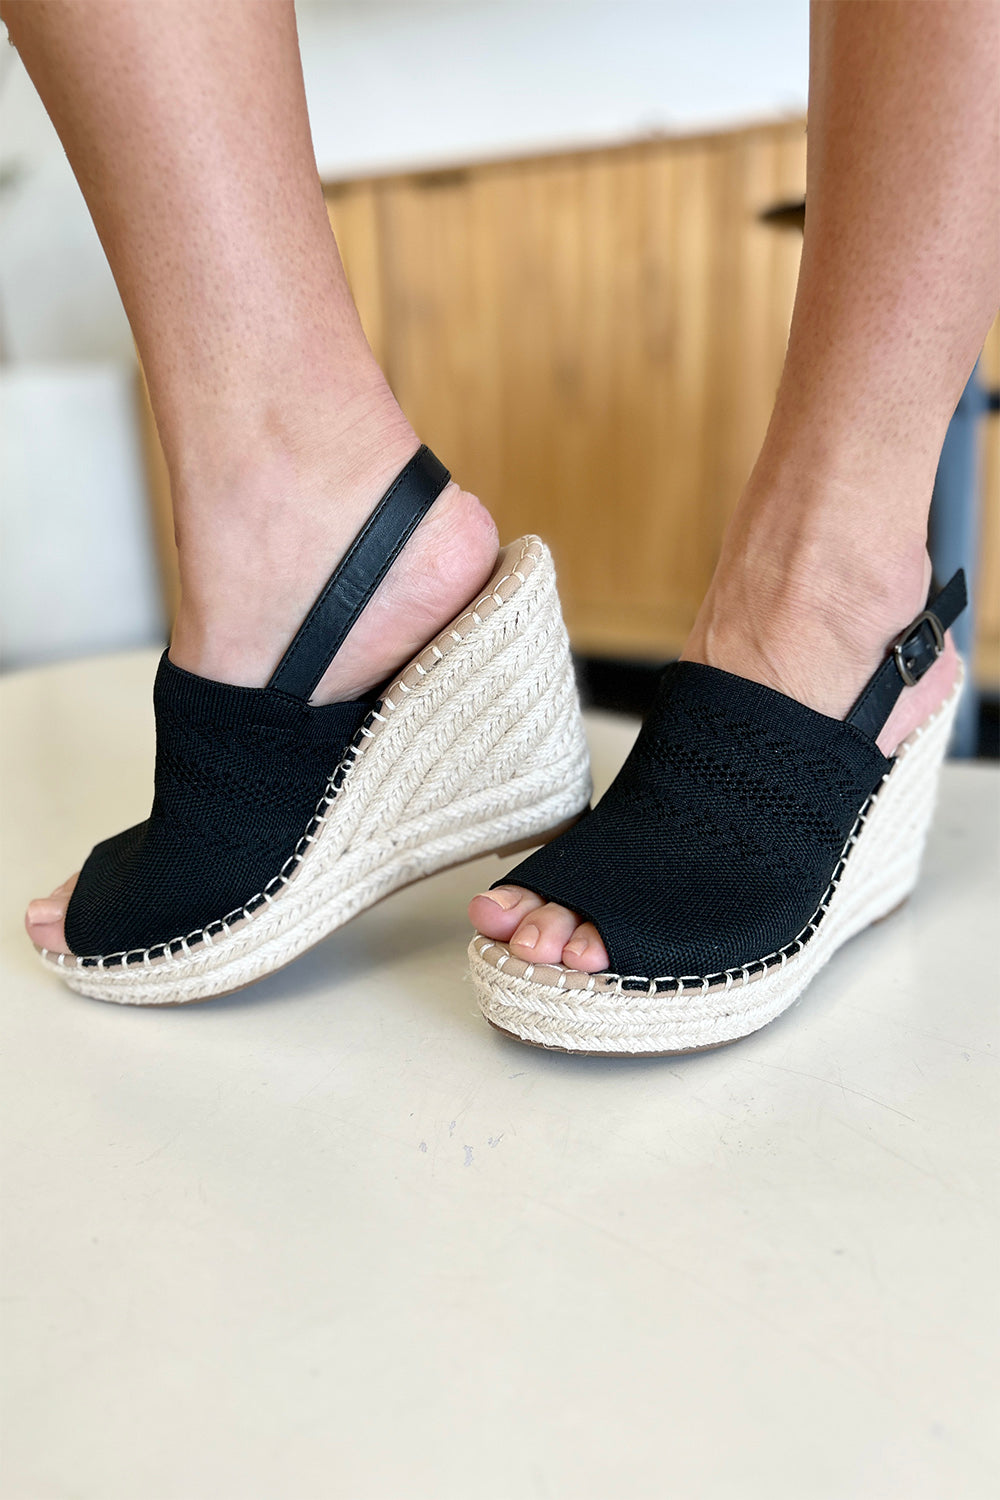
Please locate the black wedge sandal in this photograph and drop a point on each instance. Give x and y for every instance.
(274, 821)
(744, 840)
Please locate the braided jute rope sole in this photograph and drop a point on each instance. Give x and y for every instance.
(477, 745)
(621, 1014)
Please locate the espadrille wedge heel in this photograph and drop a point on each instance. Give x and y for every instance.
(745, 839)
(275, 821)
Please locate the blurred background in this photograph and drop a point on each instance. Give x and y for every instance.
(572, 228)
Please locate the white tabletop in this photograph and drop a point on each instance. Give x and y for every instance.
(333, 1237)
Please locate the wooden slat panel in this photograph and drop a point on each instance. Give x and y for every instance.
(353, 213)
(625, 302)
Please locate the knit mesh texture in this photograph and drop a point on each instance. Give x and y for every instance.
(239, 774)
(721, 833)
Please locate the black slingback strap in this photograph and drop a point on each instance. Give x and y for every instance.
(915, 650)
(359, 573)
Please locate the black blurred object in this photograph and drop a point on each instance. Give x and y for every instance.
(627, 687)
(953, 532)
(790, 215)
(619, 687)
(988, 746)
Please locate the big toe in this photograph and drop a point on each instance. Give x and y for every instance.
(45, 919)
(498, 914)
(540, 932)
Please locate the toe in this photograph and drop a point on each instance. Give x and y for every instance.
(585, 950)
(45, 918)
(540, 932)
(498, 914)
(544, 933)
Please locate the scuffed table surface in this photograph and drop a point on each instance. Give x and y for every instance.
(335, 1237)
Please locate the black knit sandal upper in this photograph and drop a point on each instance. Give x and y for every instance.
(240, 771)
(718, 839)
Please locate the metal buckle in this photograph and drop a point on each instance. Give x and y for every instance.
(905, 665)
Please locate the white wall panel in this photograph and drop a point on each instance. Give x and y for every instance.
(76, 569)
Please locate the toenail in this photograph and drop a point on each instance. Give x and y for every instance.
(502, 897)
(577, 946)
(44, 910)
(527, 937)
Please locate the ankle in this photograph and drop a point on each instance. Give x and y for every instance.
(808, 593)
(261, 529)
(263, 517)
(234, 466)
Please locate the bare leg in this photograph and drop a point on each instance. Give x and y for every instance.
(186, 125)
(825, 559)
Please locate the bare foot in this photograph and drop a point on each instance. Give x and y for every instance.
(817, 645)
(249, 579)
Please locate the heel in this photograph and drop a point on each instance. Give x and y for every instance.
(488, 750)
(888, 866)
